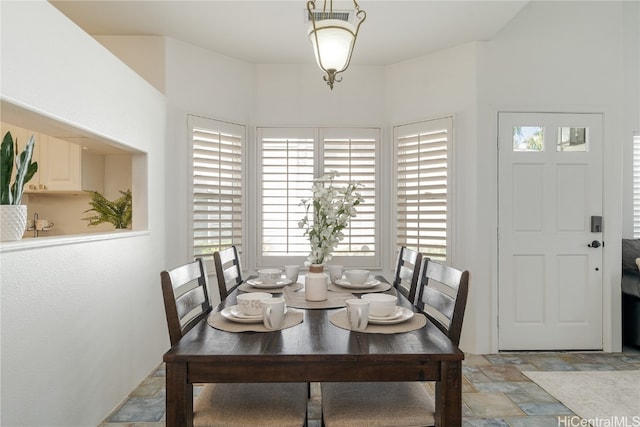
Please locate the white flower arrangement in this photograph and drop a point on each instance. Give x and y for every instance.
(333, 207)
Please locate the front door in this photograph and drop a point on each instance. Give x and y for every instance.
(549, 231)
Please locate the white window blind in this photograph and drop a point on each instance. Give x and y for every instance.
(423, 183)
(636, 185)
(289, 159)
(352, 153)
(217, 185)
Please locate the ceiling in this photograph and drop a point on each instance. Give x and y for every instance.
(274, 32)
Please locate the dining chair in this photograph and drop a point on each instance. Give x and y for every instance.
(186, 303)
(442, 297)
(407, 272)
(228, 270)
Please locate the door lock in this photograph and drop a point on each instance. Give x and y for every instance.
(594, 244)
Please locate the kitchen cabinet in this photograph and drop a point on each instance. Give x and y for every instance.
(60, 164)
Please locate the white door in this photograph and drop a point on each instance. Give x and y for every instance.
(549, 258)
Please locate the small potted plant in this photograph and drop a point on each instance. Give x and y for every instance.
(13, 215)
(117, 212)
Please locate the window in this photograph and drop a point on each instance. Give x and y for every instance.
(288, 161)
(217, 186)
(423, 181)
(636, 185)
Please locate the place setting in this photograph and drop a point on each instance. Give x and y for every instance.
(377, 313)
(272, 280)
(355, 281)
(256, 312)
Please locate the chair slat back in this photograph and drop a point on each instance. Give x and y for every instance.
(186, 297)
(443, 296)
(407, 272)
(228, 270)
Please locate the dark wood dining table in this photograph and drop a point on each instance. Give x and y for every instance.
(314, 350)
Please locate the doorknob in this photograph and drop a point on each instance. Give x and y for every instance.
(594, 244)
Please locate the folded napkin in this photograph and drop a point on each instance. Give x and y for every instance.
(418, 321)
(245, 287)
(380, 287)
(334, 299)
(218, 321)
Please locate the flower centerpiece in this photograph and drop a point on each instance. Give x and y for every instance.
(331, 208)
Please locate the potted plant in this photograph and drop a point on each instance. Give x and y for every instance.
(117, 212)
(13, 215)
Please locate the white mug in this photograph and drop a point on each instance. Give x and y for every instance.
(335, 273)
(273, 311)
(291, 272)
(358, 314)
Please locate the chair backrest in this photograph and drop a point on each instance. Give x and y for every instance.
(228, 270)
(186, 298)
(442, 296)
(407, 272)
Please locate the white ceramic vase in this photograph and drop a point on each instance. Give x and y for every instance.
(13, 222)
(315, 283)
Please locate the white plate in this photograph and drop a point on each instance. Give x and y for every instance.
(404, 316)
(236, 312)
(366, 285)
(397, 313)
(258, 284)
(228, 314)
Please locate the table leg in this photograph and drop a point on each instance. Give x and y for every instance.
(179, 396)
(449, 395)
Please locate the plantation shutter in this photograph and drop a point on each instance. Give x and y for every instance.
(636, 185)
(289, 159)
(217, 185)
(287, 171)
(352, 153)
(423, 180)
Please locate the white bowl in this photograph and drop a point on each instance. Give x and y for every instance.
(251, 302)
(269, 276)
(357, 277)
(381, 304)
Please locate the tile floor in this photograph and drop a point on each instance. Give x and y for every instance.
(495, 392)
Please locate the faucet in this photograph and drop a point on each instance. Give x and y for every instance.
(35, 228)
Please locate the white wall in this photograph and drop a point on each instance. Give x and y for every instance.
(82, 321)
(560, 57)
(437, 85)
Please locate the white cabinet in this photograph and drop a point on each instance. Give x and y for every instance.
(60, 167)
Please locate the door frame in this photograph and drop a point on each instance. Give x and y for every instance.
(612, 189)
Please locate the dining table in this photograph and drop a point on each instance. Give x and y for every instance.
(314, 350)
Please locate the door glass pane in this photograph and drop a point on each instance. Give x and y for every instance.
(528, 138)
(572, 139)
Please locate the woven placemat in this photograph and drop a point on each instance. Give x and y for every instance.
(418, 321)
(218, 321)
(380, 287)
(334, 300)
(245, 287)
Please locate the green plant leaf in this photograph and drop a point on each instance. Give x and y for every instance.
(6, 164)
(118, 212)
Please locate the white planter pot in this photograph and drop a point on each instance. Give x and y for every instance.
(13, 222)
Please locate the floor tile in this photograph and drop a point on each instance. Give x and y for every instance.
(491, 405)
(140, 409)
(503, 373)
(545, 408)
(532, 421)
(484, 422)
